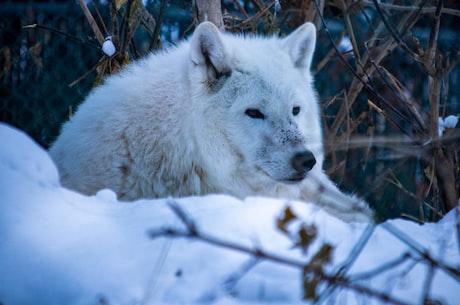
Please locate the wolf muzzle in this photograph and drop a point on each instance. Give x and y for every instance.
(303, 162)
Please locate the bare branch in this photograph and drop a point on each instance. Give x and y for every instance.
(114, 19)
(407, 101)
(180, 213)
(67, 35)
(330, 54)
(360, 81)
(331, 280)
(411, 8)
(382, 268)
(87, 73)
(427, 284)
(453, 62)
(101, 21)
(92, 22)
(434, 35)
(348, 263)
(172, 232)
(336, 280)
(350, 30)
(396, 36)
(454, 273)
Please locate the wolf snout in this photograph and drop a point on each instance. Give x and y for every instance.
(303, 161)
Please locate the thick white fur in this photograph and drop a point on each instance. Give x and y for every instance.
(175, 124)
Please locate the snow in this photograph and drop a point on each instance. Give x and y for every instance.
(448, 122)
(61, 247)
(108, 47)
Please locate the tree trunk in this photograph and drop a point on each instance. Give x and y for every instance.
(208, 10)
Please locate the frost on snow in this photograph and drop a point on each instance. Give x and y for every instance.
(60, 247)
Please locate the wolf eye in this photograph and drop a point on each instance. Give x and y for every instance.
(296, 110)
(254, 113)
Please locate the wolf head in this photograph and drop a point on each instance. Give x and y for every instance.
(256, 102)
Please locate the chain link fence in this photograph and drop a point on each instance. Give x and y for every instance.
(38, 66)
(44, 71)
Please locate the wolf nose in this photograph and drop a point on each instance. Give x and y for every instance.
(303, 161)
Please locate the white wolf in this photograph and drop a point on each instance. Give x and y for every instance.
(220, 113)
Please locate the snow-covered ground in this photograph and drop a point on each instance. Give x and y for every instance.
(60, 247)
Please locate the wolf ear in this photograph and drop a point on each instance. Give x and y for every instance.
(207, 52)
(301, 45)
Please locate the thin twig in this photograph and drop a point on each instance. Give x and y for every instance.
(424, 253)
(399, 86)
(428, 282)
(191, 232)
(329, 55)
(180, 213)
(419, 127)
(88, 72)
(348, 263)
(350, 30)
(241, 9)
(396, 36)
(382, 268)
(100, 18)
(367, 69)
(156, 42)
(172, 232)
(232, 280)
(67, 35)
(395, 181)
(410, 8)
(115, 29)
(91, 22)
(434, 36)
(366, 83)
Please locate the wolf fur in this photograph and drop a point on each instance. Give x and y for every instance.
(220, 113)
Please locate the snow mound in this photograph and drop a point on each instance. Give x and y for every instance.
(21, 157)
(60, 247)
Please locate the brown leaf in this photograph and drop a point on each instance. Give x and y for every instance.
(287, 217)
(306, 235)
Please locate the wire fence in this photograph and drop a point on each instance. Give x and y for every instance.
(39, 65)
(45, 72)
